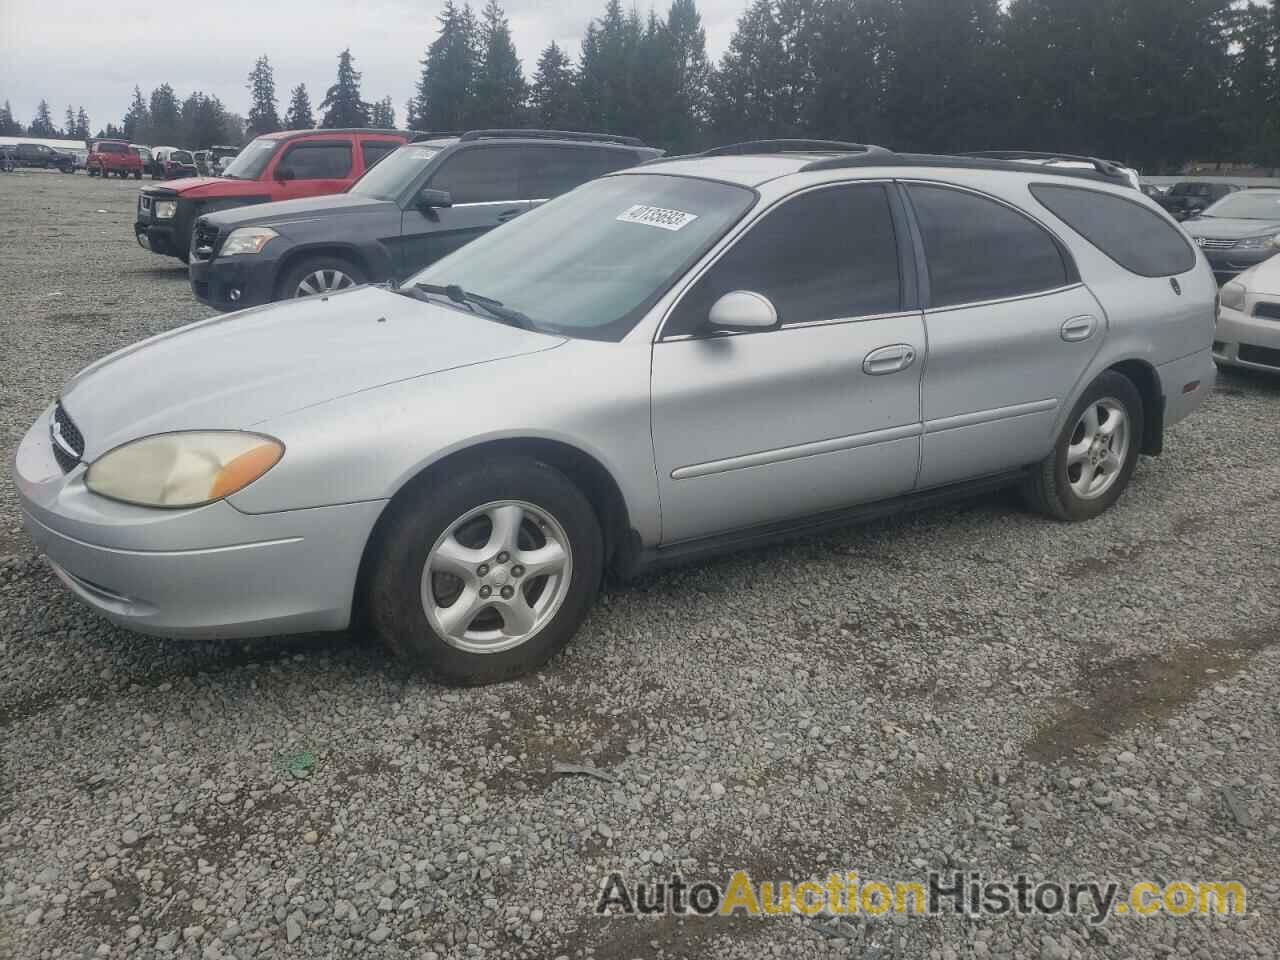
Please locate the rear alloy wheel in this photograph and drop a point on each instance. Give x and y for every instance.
(319, 276)
(487, 572)
(1095, 455)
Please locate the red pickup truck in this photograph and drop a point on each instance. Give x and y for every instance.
(113, 156)
(278, 166)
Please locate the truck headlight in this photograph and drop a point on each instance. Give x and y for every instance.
(165, 209)
(247, 240)
(1232, 296)
(183, 469)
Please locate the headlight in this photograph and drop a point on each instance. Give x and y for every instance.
(183, 469)
(1232, 295)
(165, 209)
(247, 240)
(1269, 242)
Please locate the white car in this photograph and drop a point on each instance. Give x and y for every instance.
(1248, 332)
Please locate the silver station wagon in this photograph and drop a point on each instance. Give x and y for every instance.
(683, 357)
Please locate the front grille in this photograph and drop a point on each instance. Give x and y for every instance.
(1210, 243)
(1263, 355)
(66, 439)
(1269, 310)
(205, 242)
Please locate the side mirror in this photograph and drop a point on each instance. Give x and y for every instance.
(742, 311)
(428, 198)
(284, 175)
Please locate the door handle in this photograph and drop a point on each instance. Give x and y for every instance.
(889, 359)
(1079, 328)
(506, 215)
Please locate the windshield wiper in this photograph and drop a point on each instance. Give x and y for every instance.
(471, 300)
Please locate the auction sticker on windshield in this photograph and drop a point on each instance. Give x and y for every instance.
(656, 217)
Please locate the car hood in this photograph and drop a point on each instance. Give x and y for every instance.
(209, 187)
(287, 211)
(240, 369)
(1221, 228)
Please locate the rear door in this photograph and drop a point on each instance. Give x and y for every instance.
(484, 182)
(819, 413)
(1011, 330)
(312, 168)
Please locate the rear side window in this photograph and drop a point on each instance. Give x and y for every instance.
(978, 249)
(480, 175)
(824, 255)
(318, 161)
(375, 150)
(1138, 239)
(547, 172)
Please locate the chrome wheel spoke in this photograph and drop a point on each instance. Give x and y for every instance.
(1085, 480)
(456, 618)
(505, 533)
(1111, 463)
(1090, 421)
(306, 289)
(453, 558)
(1077, 453)
(518, 618)
(544, 561)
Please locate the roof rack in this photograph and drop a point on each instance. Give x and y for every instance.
(420, 135)
(1109, 167)
(552, 135)
(748, 147)
(1101, 171)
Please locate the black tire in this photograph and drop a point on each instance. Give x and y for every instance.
(293, 277)
(1049, 490)
(92, 171)
(420, 516)
(137, 174)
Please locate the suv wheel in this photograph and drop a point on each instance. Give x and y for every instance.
(319, 275)
(1095, 455)
(487, 573)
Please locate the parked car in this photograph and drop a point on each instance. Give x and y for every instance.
(1248, 333)
(219, 157)
(630, 375)
(1189, 197)
(394, 220)
(149, 165)
(113, 157)
(44, 158)
(1239, 230)
(81, 158)
(174, 163)
(278, 166)
(201, 158)
(8, 159)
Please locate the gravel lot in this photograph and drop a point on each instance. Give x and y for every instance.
(972, 687)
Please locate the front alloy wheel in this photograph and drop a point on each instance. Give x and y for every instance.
(323, 281)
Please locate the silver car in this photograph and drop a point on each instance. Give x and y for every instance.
(685, 357)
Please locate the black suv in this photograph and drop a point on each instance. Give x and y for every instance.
(1188, 198)
(426, 199)
(45, 158)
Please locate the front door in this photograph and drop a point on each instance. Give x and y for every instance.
(819, 413)
(1011, 332)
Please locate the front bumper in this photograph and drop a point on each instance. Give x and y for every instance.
(206, 572)
(1243, 340)
(233, 283)
(1228, 263)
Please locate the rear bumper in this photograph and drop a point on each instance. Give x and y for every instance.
(1187, 383)
(1242, 340)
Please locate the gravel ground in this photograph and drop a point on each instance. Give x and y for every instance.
(972, 687)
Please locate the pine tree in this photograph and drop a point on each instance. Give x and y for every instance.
(554, 94)
(383, 114)
(137, 121)
(165, 126)
(298, 116)
(342, 104)
(606, 70)
(42, 124)
(263, 116)
(500, 88)
(9, 127)
(444, 96)
(747, 88)
(69, 123)
(203, 121)
(685, 54)
(82, 124)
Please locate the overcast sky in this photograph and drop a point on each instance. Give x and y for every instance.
(92, 53)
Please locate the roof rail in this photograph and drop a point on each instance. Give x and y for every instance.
(1109, 167)
(421, 135)
(1102, 171)
(747, 147)
(553, 135)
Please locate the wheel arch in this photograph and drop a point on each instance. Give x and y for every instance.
(584, 470)
(374, 271)
(1147, 381)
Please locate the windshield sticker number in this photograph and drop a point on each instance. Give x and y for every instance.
(659, 217)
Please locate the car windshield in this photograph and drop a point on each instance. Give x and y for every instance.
(591, 262)
(1247, 205)
(252, 160)
(181, 156)
(394, 173)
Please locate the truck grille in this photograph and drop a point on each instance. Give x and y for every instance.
(205, 242)
(1270, 311)
(66, 439)
(1209, 243)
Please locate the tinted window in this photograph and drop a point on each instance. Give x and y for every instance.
(318, 161)
(375, 150)
(1138, 239)
(547, 172)
(111, 148)
(396, 173)
(479, 175)
(181, 156)
(978, 249)
(823, 255)
(252, 160)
